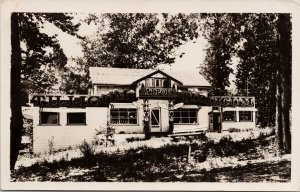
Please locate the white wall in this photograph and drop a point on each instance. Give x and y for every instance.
(202, 123)
(238, 125)
(226, 125)
(63, 135)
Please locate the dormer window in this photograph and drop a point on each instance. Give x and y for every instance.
(149, 82)
(157, 82)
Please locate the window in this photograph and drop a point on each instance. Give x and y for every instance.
(185, 116)
(245, 115)
(149, 82)
(76, 118)
(157, 82)
(123, 116)
(165, 83)
(229, 116)
(49, 118)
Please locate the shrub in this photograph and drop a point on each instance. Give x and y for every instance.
(231, 130)
(131, 139)
(87, 150)
(261, 139)
(201, 137)
(226, 147)
(51, 145)
(98, 141)
(109, 133)
(200, 154)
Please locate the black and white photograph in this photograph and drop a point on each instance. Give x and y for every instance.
(149, 97)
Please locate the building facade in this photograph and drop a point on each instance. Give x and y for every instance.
(136, 101)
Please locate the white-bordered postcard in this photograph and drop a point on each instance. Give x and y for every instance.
(150, 95)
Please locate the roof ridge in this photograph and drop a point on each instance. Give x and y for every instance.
(126, 76)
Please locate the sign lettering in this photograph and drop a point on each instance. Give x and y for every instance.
(157, 93)
(185, 97)
(82, 100)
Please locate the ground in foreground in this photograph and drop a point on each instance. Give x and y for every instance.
(226, 160)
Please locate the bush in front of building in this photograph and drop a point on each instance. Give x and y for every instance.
(143, 163)
(87, 150)
(226, 147)
(231, 130)
(108, 134)
(132, 139)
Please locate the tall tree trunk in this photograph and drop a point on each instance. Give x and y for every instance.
(16, 123)
(279, 123)
(285, 70)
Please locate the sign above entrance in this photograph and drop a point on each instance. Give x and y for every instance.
(194, 98)
(157, 93)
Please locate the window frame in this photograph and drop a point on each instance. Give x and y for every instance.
(129, 110)
(153, 81)
(47, 124)
(234, 116)
(251, 116)
(74, 124)
(149, 81)
(186, 117)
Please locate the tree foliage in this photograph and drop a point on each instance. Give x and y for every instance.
(262, 44)
(32, 65)
(257, 64)
(138, 40)
(135, 40)
(42, 54)
(220, 32)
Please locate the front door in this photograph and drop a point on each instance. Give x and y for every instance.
(155, 120)
(216, 121)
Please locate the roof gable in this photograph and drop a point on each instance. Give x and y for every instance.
(156, 72)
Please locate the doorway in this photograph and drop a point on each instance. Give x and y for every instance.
(216, 121)
(155, 120)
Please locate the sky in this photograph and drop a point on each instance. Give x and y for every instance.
(193, 57)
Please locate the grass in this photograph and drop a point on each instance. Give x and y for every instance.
(167, 163)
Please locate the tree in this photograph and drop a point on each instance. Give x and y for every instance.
(256, 68)
(220, 34)
(284, 82)
(75, 78)
(134, 40)
(138, 40)
(262, 42)
(27, 73)
(265, 65)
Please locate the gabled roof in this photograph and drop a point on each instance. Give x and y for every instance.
(155, 72)
(125, 76)
(189, 78)
(117, 76)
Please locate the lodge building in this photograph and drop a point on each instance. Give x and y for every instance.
(136, 101)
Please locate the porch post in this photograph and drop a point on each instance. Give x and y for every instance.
(171, 115)
(146, 119)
